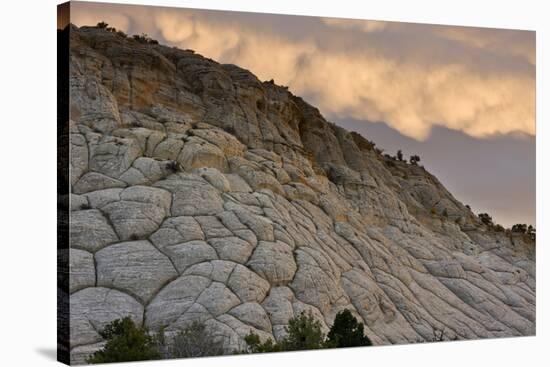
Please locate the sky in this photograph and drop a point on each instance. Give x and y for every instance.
(462, 98)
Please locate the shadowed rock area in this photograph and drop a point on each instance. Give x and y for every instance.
(202, 193)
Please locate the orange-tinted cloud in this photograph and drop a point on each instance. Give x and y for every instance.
(413, 77)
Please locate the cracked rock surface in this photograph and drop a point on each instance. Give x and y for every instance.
(199, 192)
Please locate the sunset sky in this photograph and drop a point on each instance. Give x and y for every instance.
(462, 98)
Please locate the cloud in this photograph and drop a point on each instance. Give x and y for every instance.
(412, 77)
(362, 25)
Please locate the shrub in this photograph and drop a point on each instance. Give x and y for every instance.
(519, 228)
(346, 332)
(144, 38)
(498, 228)
(486, 219)
(400, 155)
(125, 342)
(532, 232)
(254, 345)
(414, 159)
(304, 332)
(102, 25)
(172, 166)
(195, 341)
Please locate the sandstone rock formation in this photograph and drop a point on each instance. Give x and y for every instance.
(199, 192)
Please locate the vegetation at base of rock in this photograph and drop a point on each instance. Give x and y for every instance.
(255, 345)
(125, 342)
(346, 332)
(194, 341)
(304, 333)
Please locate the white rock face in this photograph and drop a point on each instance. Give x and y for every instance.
(82, 270)
(139, 212)
(241, 206)
(93, 308)
(274, 262)
(90, 230)
(135, 267)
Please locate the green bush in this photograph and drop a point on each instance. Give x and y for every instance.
(304, 333)
(125, 342)
(254, 345)
(194, 341)
(346, 332)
